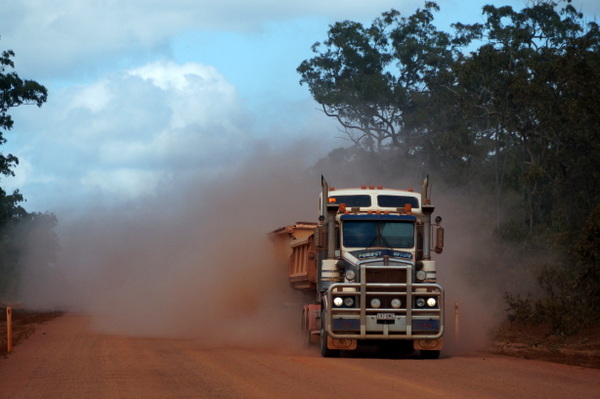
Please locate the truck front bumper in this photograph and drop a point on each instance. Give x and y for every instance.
(362, 322)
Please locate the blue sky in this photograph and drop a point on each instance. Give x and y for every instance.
(142, 92)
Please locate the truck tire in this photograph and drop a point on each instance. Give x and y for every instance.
(325, 351)
(429, 354)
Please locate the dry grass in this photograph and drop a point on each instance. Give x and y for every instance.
(534, 342)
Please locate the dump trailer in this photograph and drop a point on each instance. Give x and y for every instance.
(366, 270)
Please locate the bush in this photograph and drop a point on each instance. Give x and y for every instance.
(571, 289)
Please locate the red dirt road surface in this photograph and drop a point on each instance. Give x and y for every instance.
(65, 359)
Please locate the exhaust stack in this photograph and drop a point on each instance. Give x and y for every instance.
(328, 212)
(427, 209)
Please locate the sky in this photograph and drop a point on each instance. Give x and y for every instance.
(144, 91)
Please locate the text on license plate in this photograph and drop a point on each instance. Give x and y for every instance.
(385, 316)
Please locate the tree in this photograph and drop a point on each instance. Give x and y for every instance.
(370, 78)
(518, 111)
(16, 223)
(14, 92)
(535, 84)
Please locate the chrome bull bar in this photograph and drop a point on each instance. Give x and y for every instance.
(406, 321)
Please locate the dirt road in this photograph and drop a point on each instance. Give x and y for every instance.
(65, 359)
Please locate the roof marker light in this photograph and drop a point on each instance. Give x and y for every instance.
(380, 187)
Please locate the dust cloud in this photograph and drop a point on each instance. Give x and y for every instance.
(474, 303)
(193, 261)
(475, 269)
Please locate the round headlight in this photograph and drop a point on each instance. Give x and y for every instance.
(420, 302)
(421, 275)
(337, 301)
(431, 302)
(350, 275)
(349, 301)
(375, 303)
(396, 303)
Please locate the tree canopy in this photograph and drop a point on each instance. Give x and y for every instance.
(369, 78)
(512, 103)
(19, 230)
(14, 92)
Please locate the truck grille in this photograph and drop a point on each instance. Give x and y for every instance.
(383, 275)
(381, 279)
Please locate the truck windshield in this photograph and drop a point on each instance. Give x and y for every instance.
(370, 233)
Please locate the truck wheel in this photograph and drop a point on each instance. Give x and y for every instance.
(325, 351)
(430, 354)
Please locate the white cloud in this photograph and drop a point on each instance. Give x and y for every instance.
(195, 93)
(168, 75)
(126, 133)
(94, 97)
(53, 38)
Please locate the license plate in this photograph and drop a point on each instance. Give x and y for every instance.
(385, 316)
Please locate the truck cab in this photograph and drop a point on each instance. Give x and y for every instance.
(374, 278)
(385, 286)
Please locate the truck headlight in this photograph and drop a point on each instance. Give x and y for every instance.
(396, 303)
(431, 302)
(420, 302)
(375, 303)
(421, 275)
(337, 301)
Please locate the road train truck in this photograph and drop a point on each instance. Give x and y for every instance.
(365, 270)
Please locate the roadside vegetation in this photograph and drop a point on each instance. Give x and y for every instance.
(509, 110)
(19, 229)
